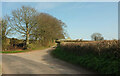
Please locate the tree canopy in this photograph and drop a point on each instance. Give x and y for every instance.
(48, 28)
(97, 36)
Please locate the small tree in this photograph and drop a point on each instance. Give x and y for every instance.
(5, 30)
(97, 36)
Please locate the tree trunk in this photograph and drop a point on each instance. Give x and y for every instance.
(27, 39)
(27, 36)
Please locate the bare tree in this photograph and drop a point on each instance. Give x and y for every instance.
(97, 36)
(48, 28)
(22, 21)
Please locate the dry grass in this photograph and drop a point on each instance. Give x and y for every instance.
(101, 56)
(97, 47)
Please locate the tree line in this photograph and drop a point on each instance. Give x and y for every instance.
(29, 24)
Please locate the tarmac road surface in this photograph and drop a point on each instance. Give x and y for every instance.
(38, 62)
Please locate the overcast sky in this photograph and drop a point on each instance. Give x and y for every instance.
(82, 18)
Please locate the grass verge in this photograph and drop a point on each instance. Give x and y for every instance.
(19, 51)
(13, 51)
(101, 64)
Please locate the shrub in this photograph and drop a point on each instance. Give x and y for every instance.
(101, 56)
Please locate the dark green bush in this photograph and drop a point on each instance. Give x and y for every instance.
(102, 64)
